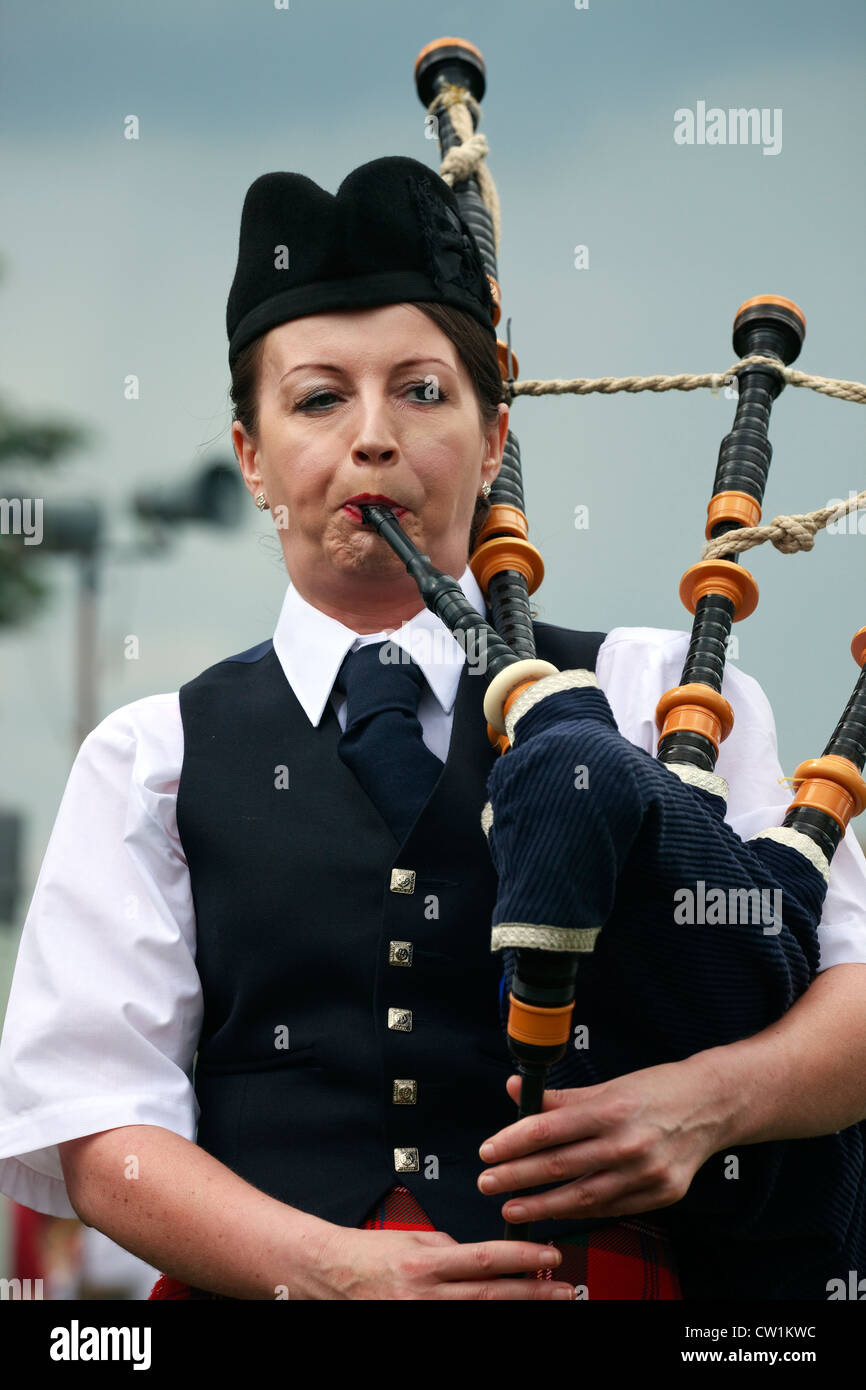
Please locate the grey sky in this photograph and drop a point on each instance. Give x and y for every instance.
(118, 258)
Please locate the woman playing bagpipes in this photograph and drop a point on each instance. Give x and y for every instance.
(254, 1031)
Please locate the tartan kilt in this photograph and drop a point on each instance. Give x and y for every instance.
(632, 1260)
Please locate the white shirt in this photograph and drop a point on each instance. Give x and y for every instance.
(105, 1009)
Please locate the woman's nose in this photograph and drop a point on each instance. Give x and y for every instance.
(375, 439)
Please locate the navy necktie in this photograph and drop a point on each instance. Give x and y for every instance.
(382, 742)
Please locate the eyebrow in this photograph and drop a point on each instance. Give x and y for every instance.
(332, 366)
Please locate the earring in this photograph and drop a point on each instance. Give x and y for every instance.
(262, 502)
(485, 489)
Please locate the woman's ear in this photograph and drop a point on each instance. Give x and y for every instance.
(247, 457)
(496, 436)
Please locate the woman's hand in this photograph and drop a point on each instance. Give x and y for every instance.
(354, 1264)
(626, 1146)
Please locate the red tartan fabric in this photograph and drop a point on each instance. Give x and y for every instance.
(398, 1211)
(166, 1287)
(632, 1260)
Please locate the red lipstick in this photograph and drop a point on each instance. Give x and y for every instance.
(354, 511)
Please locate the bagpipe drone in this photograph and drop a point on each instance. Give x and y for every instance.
(588, 876)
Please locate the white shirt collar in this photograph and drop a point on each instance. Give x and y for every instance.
(311, 647)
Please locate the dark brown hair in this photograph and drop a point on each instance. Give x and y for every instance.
(475, 348)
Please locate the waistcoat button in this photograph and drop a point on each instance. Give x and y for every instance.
(402, 880)
(399, 952)
(400, 1020)
(405, 1093)
(406, 1161)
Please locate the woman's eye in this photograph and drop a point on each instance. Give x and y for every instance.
(431, 389)
(315, 399)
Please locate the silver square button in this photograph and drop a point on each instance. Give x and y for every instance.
(405, 1093)
(402, 880)
(406, 1161)
(399, 952)
(400, 1020)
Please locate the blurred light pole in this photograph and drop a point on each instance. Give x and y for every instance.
(212, 497)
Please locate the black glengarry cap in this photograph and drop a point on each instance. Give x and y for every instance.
(392, 234)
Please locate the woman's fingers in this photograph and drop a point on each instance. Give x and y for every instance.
(480, 1271)
(423, 1268)
(567, 1161)
(622, 1147)
(492, 1259)
(611, 1177)
(567, 1116)
(600, 1195)
(430, 1265)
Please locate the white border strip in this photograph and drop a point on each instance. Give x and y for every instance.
(795, 839)
(696, 777)
(548, 685)
(543, 938)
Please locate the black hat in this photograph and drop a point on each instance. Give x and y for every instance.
(392, 234)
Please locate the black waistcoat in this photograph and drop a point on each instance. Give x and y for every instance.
(306, 912)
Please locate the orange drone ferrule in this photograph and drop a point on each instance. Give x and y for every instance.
(501, 741)
(507, 553)
(539, 1027)
(720, 577)
(773, 299)
(831, 784)
(732, 506)
(503, 520)
(447, 41)
(697, 708)
(502, 354)
(858, 647)
(497, 740)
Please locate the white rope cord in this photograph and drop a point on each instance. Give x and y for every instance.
(685, 381)
(788, 533)
(467, 158)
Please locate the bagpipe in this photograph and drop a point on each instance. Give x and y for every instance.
(590, 867)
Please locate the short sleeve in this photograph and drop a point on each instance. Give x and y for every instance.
(635, 667)
(105, 1008)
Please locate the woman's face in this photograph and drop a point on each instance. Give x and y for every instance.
(372, 401)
